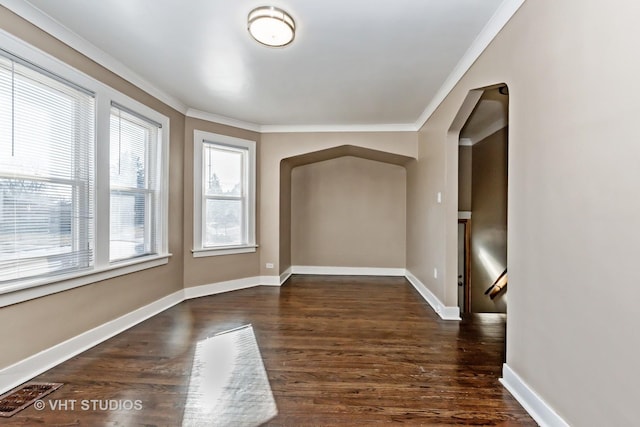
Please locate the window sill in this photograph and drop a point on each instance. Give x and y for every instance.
(24, 291)
(227, 250)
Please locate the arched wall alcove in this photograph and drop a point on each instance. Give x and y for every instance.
(273, 149)
(343, 207)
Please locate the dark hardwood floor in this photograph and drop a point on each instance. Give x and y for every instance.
(354, 351)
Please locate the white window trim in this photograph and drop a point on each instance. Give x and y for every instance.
(103, 269)
(40, 287)
(199, 138)
(163, 139)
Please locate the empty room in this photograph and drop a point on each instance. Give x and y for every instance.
(297, 213)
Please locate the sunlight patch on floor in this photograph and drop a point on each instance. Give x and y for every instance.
(229, 384)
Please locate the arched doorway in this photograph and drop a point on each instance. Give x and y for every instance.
(482, 200)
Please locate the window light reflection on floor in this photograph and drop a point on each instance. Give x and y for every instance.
(229, 384)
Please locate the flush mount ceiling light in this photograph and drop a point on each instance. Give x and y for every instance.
(271, 26)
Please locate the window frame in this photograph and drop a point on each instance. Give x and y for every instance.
(153, 232)
(42, 92)
(102, 268)
(200, 138)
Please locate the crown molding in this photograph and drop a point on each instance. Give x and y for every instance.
(399, 127)
(229, 121)
(499, 19)
(43, 21)
(223, 120)
(51, 26)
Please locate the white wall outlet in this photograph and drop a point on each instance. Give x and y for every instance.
(439, 197)
(269, 265)
(435, 273)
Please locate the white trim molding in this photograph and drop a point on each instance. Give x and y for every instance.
(464, 214)
(383, 127)
(347, 271)
(445, 312)
(285, 276)
(505, 11)
(246, 149)
(42, 287)
(201, 253)
(539, 410)
(16, 374)
(269, 281)
(223, 120)
(220, 287)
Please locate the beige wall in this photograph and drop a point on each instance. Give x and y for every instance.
(276, 147)
(572, 69)
(41, 323)
(285, 215)
(348, 212)
(214, 269)
(489, 221)
(464, 178)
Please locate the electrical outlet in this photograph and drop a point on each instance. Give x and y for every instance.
(439, 197)
(435, 273)
(269, 265)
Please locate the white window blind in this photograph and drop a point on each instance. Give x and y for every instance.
(46, 173)
(135, 213)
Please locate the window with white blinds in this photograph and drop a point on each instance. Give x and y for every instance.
(83, 178)
(224, 202)
(46, 173)
(135, 185)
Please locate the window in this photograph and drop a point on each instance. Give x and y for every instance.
(46, 173)
(83, 178)
(135, 217)
(224, 187)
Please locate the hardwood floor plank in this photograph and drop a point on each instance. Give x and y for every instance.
(338, 351)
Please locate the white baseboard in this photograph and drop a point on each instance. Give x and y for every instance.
(269, 280)
(275, 280)
(285, 276)
(445, 312)
(16, 374)
(347, 271)
(539, 410)
(220, 287)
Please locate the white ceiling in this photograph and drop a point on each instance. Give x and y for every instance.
(379, 64)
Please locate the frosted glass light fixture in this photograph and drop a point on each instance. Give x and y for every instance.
(271, 26)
